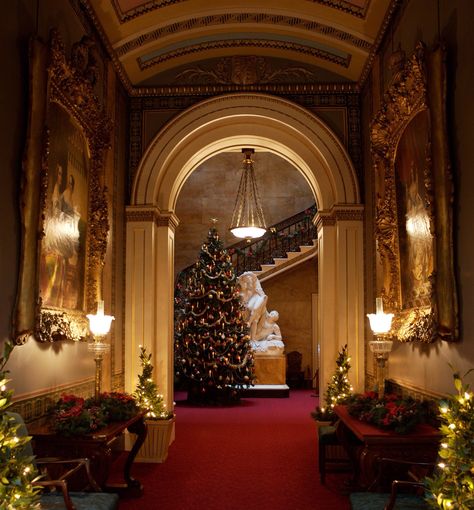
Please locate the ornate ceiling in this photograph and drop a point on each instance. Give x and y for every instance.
(157, 43)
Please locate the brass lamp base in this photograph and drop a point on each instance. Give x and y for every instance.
(98, 349)
(381, 349)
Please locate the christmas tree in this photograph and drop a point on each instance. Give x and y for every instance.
(146, 393)
(212, 345)
(453, 484)
(338, 390)
(17, 472)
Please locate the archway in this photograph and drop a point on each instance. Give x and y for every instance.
(226, 123)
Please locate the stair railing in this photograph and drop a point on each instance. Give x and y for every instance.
(286, 236)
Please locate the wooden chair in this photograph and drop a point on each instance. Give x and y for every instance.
(331, 454)
(294, 374)
(406, 490)
(56, 494)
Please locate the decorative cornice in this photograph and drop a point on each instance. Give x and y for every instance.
(105, 41)
(344, 6)
(353, 212)
(273, 88)
(151, 214)
(142, 9)
(246, 43)
(378, 41)
(245, 17)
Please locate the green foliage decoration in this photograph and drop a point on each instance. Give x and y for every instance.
(338, 390)
(17, 472)
(146, 393)
(452, 485)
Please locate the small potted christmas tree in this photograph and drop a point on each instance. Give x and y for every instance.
(159, 420)
(337, 391)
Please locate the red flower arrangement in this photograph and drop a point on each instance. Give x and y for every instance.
(75, 416)
(393, 412)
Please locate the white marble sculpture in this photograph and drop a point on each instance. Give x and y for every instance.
(265, 335)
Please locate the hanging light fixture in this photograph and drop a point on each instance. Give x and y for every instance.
(247, 219)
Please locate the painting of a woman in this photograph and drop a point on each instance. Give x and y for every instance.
(63, 244)
(416, 240)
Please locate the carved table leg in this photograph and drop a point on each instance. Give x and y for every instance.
(132, 487)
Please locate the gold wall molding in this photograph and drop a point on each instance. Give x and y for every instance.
(422, 297)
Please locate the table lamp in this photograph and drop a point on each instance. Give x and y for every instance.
(99, 325)
(380, 324)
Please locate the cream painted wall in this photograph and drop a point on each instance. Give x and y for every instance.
(427, 366)
(211, 190)
(290, 293)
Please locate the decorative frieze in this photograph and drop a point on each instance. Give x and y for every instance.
(152, 214)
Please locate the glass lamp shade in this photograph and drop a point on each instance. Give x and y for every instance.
(99, 324)
(380, 322)
(247, 218)
(248, 232)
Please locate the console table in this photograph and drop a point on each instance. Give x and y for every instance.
(366, 443)
(97, 447)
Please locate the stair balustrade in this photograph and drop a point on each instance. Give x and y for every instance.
(283, 237)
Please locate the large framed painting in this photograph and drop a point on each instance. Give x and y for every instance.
(63, 207)
(414, 194)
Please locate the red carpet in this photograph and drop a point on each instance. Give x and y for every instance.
(257, 455)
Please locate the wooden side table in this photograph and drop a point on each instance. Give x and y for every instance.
(366, 443)
(97, 447)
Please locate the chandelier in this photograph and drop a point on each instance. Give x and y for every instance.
(247, 219)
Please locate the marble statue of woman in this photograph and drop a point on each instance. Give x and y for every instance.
(265, 334)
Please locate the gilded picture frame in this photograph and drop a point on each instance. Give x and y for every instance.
(414, 195)
(63, 201)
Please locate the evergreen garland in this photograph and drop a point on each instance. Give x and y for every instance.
(452, 486)
(213, 355)
(146, 393)
(338, 390)
(17, 472)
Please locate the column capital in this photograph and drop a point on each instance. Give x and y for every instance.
(151, 214)
(342, 212)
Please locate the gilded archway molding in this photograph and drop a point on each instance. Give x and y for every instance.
(232, 121)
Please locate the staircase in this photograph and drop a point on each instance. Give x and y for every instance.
(285, 244)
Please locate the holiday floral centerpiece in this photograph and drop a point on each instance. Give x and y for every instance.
(73, 418)
(117, 406)
(76, 416)
(392, 412)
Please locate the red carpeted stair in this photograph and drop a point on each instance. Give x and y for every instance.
(256, 455)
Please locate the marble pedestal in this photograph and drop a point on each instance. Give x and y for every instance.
(270, 376)
(270, 369)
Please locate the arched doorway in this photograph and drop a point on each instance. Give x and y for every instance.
(231, 122)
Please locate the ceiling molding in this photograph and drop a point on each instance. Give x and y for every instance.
(246, 43)
(242, 18)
